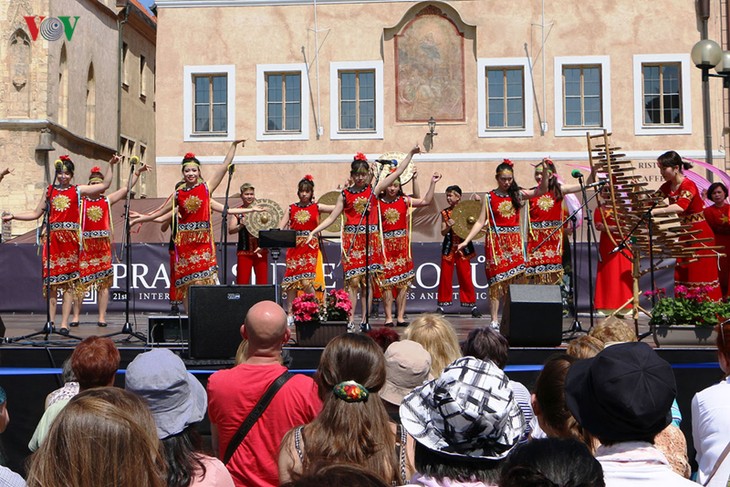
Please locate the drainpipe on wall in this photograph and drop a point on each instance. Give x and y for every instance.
(120, 73)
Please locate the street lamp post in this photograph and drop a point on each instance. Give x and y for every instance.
(706, 55)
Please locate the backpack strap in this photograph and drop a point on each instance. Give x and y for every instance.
(255, 414)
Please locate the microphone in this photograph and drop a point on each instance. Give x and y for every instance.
(597, 184)
(576, 174)
(393, 162)
(133, 160)
(231, 168)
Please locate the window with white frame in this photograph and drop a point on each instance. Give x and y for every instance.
(661, 94)
(582, 95)
(505, 100)
(356, 112)
(282, 112)
(283, 102)
(209, 108)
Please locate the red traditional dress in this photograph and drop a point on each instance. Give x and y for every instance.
(96, 251)
(248, 260)
(461, 260)
(719, 221)
(614, 279)
(353, 237)
(702, 273)
(545, 264)
(398, 264)
(64, 240)
(194, 246)
(301, 261)
(175, 297)
(504, 253)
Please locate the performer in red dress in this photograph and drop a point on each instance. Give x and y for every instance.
(65, 218)
(718, 217)
(504, 251)
(353, 202)
(251, 259)
(685, 200)
(96, 244)
(301, 260)
(455, 259)
(191, 205)
(398, 272)
(614, 280)
(545, 263)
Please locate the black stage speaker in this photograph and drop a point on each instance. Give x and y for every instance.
(533, 315)
(216, 315)
(167, 329)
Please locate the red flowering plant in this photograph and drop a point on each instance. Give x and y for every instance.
(689, 306)
(307, 309)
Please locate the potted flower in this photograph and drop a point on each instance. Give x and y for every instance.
(317, 323)
(689, 312)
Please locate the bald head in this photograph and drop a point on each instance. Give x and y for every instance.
(265, 326)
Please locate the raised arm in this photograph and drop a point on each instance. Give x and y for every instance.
(221, 171)
(544, 184)
(4, 173)
(140, 218)
(426, 200)
(339, 206)
(122, 192)
(388, 180)
(29, 215)
(476, 227)
(97, 189)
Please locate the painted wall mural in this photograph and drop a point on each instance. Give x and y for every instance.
(430, 69)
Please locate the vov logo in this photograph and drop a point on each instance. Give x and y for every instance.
(51, 28)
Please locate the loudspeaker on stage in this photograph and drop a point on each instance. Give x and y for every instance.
(216, 315)
(166, 329)
(533, 315)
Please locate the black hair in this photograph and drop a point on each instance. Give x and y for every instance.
(358, 164)
(454, 188)
(182, 458)
(713, 187)
(672, 159)
(64, 163)
(306, 185)
(513, 190)
(553, 184)
(552, 462)
(486, 344)
(460, 468)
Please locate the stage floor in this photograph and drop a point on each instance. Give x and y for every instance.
(21, 324)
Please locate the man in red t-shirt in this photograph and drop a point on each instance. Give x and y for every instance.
(233, 393)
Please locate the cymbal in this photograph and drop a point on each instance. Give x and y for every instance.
(465, 215)
(386, 168)
(264, 220)
(330, 198)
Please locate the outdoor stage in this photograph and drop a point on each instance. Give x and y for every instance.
(29, 369)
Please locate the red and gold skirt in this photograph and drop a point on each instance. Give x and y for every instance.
(398, 266)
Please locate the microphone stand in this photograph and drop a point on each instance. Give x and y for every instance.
(48, 328)
(589, 228)
(127, 328)
(224, 227)
(365, 325)
(645, 217)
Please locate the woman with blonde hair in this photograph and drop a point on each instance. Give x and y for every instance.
(104, 436)
(353, 427)
(438, 337)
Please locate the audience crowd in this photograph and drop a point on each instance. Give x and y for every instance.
(380, 410)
